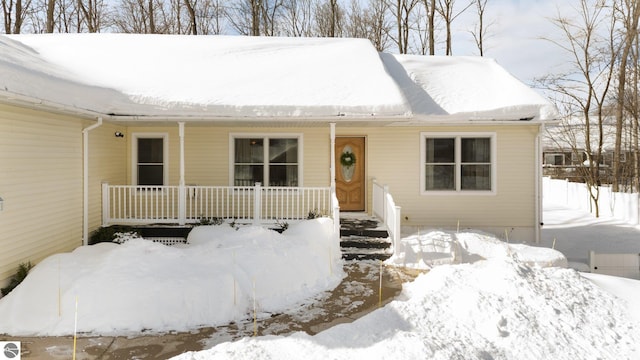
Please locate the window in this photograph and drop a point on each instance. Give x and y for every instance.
(149, 159)
(458, 162)
(272, 161)
(554, 159)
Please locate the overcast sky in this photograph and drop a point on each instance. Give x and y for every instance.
(515, 35)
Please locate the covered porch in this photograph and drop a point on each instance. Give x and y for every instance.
(255, 204)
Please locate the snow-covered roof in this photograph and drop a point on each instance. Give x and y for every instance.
(218, 77)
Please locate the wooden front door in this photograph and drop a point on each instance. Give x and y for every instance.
(350, 178)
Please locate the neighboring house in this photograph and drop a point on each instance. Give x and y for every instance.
(565, 151)
(110, 128)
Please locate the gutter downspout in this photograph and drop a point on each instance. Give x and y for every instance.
(85, 177)
(538, 184)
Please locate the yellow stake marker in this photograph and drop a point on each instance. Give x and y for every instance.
(255, 315)
(380, 288)
(75, 330)
(59, 306)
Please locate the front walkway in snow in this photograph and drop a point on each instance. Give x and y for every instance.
(357, 295)
(577, 232)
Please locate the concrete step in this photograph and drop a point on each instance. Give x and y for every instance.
(359, 254)
(374, 233)
(363, 242)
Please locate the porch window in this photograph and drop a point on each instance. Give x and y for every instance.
(150, 160)
(272, 161)
(458, 162)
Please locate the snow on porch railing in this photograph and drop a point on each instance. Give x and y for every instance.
(127, 204)
(384, 207)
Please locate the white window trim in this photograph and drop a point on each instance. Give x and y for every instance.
(458, 135)
(265, 136)
(165, 155)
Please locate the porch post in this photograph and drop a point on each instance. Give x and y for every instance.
(257, 204)
(333, 156)
(182, 198)
(334, 198)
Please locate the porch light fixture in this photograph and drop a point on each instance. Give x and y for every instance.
(1, 204)
(118, 134)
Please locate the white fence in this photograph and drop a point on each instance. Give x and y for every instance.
(384, 207)
(128, 204)
(622, 206)
(624, 265)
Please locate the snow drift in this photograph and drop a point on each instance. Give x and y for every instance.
(141, 285)
(492, 309)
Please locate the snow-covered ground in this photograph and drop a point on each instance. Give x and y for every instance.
(487, 300)
(576, 232)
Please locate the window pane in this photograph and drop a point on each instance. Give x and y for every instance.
(283, 175)
(150, 175)
(440, 177)
(475, 177)
(150, 151)
(248, 175)
(440, 150)
(283, 150)
(249, 151)
(476, 150)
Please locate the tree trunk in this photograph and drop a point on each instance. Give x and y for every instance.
(192, 17)
(631, 31)
(17, 25)
(432, 31)
(51, 5)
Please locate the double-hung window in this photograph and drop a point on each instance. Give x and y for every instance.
(150, 159)
(270, 160)
(458, 162)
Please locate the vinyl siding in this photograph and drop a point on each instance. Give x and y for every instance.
(41, 184)
(107, 163)
(393, 158)
(207, 152)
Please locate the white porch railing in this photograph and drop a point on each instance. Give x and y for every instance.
(130, 204)
(384, 207)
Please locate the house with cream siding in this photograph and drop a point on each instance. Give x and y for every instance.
(101, 129)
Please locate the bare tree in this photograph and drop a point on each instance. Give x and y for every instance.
(588, 37)
(255, 17)
(328, 19)
(141, 17)
(379, 25)
(369, 23)
(211, 15)
(92, 14)
(629, 13)
(193, 20)
(430, 7)
(15, 12)
(479, 32)
(297, 17)
(403, 9)
(446, 9)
